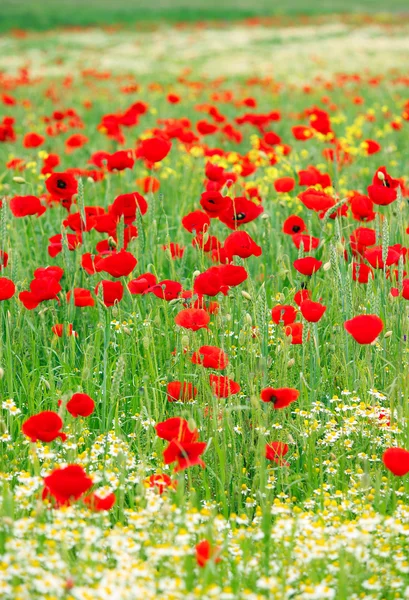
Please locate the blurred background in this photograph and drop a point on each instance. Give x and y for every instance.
(44, 14)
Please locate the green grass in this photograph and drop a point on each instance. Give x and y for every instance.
(27, 14)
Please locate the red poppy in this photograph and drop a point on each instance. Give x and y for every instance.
(364, 328)
(155, 149)
(166, 290)
(58, 330)
(284, 185)
(112, 291)
(276, 452)
(222, 386)
(52, 271)
(126, 205)
(175, 250)
(361, 272)
(280, 397)
(67, 484)
(284, 314)
(214, 204)
(293, 225)
(302, 295)
(295, 332)
(396, 460)
(316, 200)
(232, 275)
(209, 283)
(186, 454)
(44, 427)
(307, 266)
(239, 212)
(62, 185)
(148, 184)
(180, 391)
(384, 189)
(161, 482)
(193, 318)
(210, 357)
(24, 206)
(362, 208)
(98, 503)
(119, 161)
(307, 242)
(176, 428)
(82, 297)
(7, 288)
(375, 257)
(55, 243)
(241, 244)
(205, 127)
(33, 140)
(80, 405)
(142, 283)
(301, 133)
(312, 311)
(117, 264)
(196, 221)
(205, 552)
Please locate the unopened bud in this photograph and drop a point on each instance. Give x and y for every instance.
(248, 318)
(191, 424)
(327, 266)
(185, 341)
(246, 295)
(19, 180)
(380, 175)
(1, 373)
(195, 274)
(265, 216)
(126, 330)
(291, 363)
(388, 334)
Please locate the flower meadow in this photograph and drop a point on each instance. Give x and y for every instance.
(204, 302)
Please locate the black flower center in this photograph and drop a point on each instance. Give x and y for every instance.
(61, 184)
(296, 228)
(240, 216)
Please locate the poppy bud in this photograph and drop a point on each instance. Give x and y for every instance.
(388, 334)
(1, 373)
(291, 363)
(326, 266)
(246, 295)
(20, 180)
(380, 175)
(185, 341)
(248, 318)
(195, 274)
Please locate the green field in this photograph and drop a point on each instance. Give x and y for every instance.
(27, 14)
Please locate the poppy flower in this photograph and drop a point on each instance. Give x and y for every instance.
(186, 454)
(205, 552)
(284, 185)
(384, 189)
(193, 318)
(166, 290)
(80, 405)
(62, 185)
(316, 200)
(126, 206)
(118, 264)
(222, 386)
(396, 460)
(53, 271)
(209, 283)
(301, 133)
(295, 332)
(160, 482)
(176, 428)
(180, 391)
(58, 330)
(276, 452)
(302, 295)
(279, 397)
(210, 357)
(284, 314)
(175, 250)
(214, 204)
(375, 257)
(44, 427)
(312, 311)
(308, 242)
(55, 243)
(362, 208)
(205, 127)
(24, 206)
(142, 283)
(148, 184)
(232, 275)
(98, 503)
(307, 266)
(67, 484)
(112, 291)
(196, 221)
(155, 149)
(7, 288)
(294, 225)
(33, 140)
(119, 161)
(364, 328)
(239, 212)
(239, 243)
(361, 272)
(82, 297)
